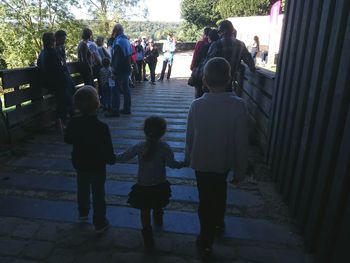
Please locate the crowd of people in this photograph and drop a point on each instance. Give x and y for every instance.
(220, 42)
(117, 65)
(216, 134)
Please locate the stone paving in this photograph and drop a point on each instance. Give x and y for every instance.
(38, 220)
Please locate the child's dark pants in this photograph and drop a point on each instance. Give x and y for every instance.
(212, 204)
(96, 182)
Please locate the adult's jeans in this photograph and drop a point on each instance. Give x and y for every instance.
(212, 190)
(166, 62)
(122, 86)
(92, 182)
(139, 70)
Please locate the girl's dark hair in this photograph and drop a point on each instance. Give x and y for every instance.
(154, 128)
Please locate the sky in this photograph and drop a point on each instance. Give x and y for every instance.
(158, 10)
(164, 10)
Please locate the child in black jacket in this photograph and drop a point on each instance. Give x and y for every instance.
(92, 150)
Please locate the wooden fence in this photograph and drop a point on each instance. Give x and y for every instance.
(29, 106)
(257, 89)
(309, 139)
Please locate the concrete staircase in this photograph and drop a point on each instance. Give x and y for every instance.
(38, 201)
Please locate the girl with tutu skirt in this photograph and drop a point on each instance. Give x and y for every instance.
(152, 190)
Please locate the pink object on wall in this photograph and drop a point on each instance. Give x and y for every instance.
(275, 11)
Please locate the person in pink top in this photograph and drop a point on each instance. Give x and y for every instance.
(198, 47)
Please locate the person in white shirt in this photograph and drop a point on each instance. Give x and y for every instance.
(216, 142)
(168, 58)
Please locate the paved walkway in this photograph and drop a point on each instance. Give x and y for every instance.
(38, 220)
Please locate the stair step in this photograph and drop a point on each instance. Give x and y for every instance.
(182, 193)
(179, 222)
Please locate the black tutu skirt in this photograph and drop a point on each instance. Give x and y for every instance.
(150, 197)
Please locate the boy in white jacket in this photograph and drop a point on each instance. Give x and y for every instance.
(216, 142)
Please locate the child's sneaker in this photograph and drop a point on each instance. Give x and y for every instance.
(102, 228)
(83, 219)
(148, 240)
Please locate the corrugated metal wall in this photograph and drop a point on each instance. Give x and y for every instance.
(309, 141)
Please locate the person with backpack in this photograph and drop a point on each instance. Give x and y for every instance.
(121, 69)
(231, 49)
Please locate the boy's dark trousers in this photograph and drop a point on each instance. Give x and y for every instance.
(94, 182)
(212, 189)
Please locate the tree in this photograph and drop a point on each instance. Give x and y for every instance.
(201, 13)
(104, 12)
(3, 63)
(22, 23)
(236, 8)
(189, 32)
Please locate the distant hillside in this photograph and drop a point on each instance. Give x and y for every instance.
(155, 30)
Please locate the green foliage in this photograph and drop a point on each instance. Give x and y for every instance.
(22, 24)
(189, 32)
(237, 8)
(155, 30)
(200, 13)
(74, 30)
(106, 12)
(3, 63)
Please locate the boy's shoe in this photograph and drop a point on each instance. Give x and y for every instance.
(83, 219)
(160, 79)
(205, 252)
(158, 217)
(148, 240)
(102, 228)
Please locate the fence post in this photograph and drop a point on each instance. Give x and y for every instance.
(4, 135)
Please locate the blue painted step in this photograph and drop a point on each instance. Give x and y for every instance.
(68, 184)
(179, 222)
(131, 118)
